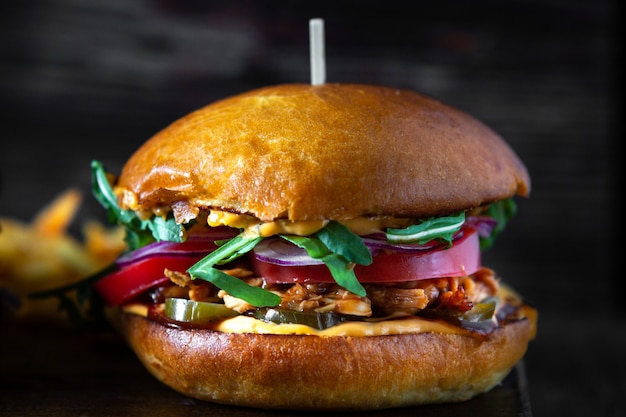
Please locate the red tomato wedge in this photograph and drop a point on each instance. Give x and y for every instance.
(125, 284)
(463, 258)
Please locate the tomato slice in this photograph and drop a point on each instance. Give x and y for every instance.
(125, 284)
(463, 258)
(143, 268)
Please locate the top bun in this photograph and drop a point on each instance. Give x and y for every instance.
(324, 152)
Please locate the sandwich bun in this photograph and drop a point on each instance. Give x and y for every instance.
(300, 153)
(306, 372)
(331, 151)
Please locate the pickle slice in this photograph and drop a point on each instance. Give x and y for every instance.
(318, 321)
(196, 312)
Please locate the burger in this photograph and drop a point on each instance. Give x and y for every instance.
(318, 247)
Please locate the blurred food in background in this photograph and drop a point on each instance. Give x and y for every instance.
(42, 255)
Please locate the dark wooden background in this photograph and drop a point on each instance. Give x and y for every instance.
(83, 80)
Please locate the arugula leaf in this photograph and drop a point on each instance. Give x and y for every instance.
(340, 240)
(503, 211)
(340, 268)
(165, 228)
(343, 273)
(314, 247)
(138, 232)
(255, 296)
(229, 251)
(442, 228)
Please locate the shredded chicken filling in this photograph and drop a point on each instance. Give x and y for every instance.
(408, 298)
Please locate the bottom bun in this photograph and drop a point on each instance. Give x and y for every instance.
(303, 372)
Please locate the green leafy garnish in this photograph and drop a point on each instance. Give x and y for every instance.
(231, 250)
(340, 240)
(442, 228)
(340, 250)
(503, 211)
(139, 232)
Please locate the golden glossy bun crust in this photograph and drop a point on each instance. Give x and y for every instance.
(335, 372)
(333, 151)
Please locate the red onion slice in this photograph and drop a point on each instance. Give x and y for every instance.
(278, 251)
(463, 258)
(484, 225)
(197, 244)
